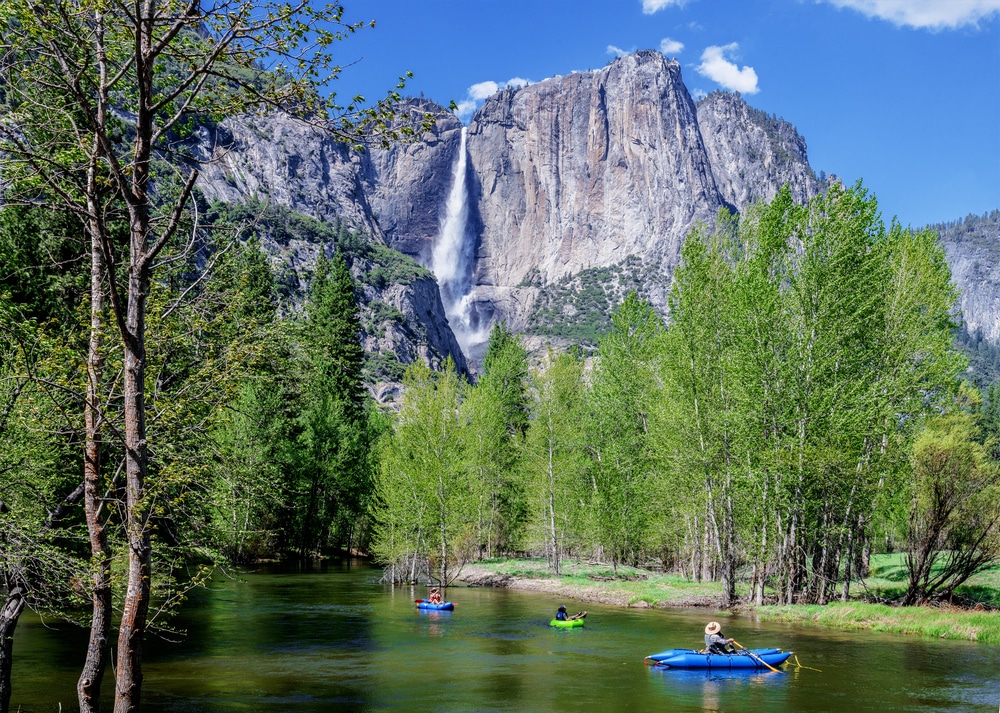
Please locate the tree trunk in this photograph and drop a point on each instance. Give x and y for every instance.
(89, 685)
(552, 510)
(128, 684)
(9, 615)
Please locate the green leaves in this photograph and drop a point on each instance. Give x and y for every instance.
(954, 514)
(804, 343)
(425, 495)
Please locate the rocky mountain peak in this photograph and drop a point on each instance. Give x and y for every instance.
(567, 181)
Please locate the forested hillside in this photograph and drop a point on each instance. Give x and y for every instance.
(402, 319)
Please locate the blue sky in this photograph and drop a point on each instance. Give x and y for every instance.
(903, 94)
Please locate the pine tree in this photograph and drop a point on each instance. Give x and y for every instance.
(334, 476)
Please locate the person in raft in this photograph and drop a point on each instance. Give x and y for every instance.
(561, 615)
(715, 641)
(435, 596)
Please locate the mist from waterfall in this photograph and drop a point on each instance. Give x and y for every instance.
(452, 259)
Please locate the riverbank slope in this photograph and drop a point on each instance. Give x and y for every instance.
(639, 588)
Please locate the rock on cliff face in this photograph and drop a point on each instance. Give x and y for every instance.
(407, 185)
(752, 154)
(274, 160)
(286, 162)
(583, 171)
(972, 247)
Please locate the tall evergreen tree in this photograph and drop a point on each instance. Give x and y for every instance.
(335, 478)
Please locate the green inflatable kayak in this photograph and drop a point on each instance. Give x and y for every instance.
(571, 624)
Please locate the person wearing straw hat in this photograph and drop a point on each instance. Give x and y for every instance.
(435, 596)
(715, 641)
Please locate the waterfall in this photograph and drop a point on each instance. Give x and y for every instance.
(452, 259)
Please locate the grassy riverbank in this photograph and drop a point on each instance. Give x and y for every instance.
(939, 622)
(633, 587)
(641, 588)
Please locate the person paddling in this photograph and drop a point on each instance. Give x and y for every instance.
(715, 641)
(434, 597)
(561, 615)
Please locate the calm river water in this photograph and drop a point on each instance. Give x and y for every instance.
(330, 638)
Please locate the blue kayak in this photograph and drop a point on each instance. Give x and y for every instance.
(443, 606)
(689, 658)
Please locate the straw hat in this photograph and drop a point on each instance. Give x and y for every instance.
(712, 628)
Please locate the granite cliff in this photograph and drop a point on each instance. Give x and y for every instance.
(585, 171)
(300, 190)
(972, 247)
(579, 188)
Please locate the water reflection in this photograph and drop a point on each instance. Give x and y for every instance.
(331, 638)
(435, 616)
(712, 687)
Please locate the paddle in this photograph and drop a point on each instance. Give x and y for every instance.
(417, 601)
(755, 656)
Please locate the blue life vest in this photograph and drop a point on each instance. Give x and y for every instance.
(561, 616)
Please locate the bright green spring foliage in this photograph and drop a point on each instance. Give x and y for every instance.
(494, 420)
(555, 461)
(953, 524)
(805, 343)
(618, 430)
(761, 438)
(426, 501)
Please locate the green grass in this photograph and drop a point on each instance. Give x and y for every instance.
(888, 579)
(944, 623)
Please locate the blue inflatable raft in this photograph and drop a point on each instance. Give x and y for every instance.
(443, 606)
(689, 658)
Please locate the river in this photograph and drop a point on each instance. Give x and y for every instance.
(331, 638)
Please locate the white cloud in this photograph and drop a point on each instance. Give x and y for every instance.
(465, 108)
(617, 51)
(929, 14)
(480, 91)
(716, 67)
(698, 94)
(652, 6)
(669, 46)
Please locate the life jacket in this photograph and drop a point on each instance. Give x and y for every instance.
(716, 643)
(561, 616)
